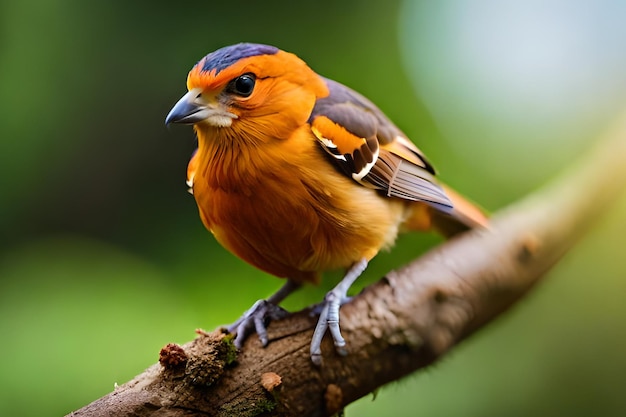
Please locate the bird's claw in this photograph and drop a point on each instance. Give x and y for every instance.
(328, 320)
(255, 320)
(329, 315)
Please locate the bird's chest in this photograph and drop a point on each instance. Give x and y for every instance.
(263, 210)
(295, 216)
(267, 218)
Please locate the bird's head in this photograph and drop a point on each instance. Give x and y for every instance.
(249, 88)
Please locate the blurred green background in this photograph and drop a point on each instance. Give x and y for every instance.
(103, 258)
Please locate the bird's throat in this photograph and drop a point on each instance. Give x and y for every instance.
(227, 162)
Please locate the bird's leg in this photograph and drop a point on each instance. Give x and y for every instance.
(257, 316)
(329, 316)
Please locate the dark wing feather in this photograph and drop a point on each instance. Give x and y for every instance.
(368, 147)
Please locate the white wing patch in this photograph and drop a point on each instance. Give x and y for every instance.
(358, 176)
(328, 145)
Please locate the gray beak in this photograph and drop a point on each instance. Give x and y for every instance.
(187, 110)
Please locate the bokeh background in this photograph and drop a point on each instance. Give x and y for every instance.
(103, 258)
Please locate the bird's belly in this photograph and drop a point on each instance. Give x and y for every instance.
(295, 231)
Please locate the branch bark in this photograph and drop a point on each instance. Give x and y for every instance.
(403, 323)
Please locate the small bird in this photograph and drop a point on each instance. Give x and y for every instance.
(297, 174)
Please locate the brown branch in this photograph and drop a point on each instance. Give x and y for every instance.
(403, 323)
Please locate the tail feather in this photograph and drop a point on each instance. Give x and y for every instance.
(464, 215)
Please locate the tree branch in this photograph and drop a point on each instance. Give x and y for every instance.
(400, 324)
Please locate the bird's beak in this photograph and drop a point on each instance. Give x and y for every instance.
(187, 110)
(193, 108)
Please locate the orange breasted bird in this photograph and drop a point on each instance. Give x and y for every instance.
(297, 174)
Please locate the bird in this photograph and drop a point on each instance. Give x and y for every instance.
(298, 174)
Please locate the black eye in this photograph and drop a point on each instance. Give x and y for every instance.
(242, 85)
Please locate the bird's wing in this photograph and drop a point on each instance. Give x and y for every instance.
(366, 146)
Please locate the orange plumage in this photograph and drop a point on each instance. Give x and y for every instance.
(297, 174)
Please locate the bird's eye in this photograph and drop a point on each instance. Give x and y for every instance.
(242, 85)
